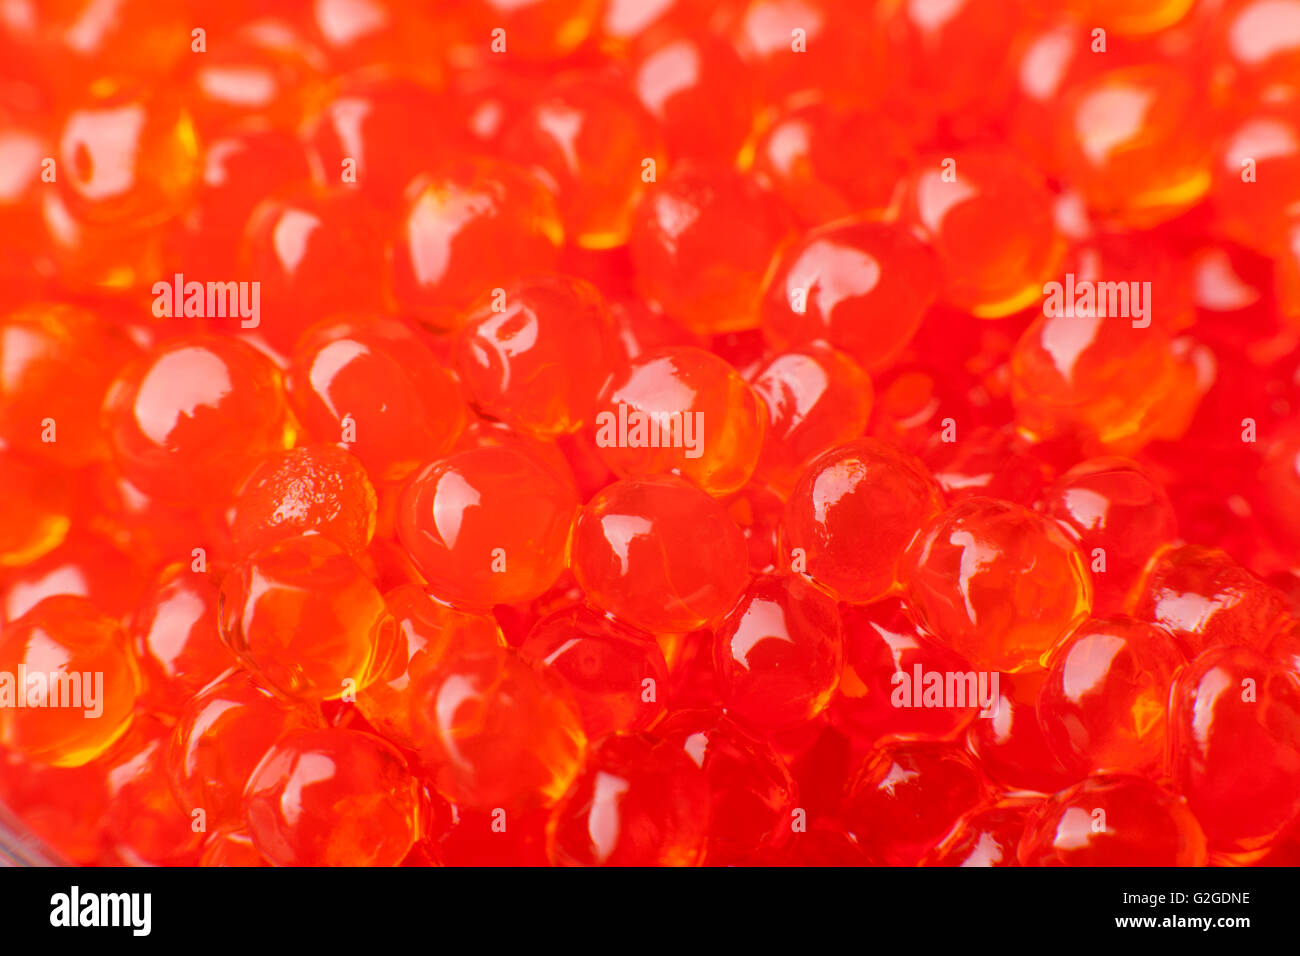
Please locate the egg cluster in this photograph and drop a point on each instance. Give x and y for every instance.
(651, 432)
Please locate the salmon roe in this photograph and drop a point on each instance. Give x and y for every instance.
(650, 433)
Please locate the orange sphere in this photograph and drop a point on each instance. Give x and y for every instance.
(496, 732)
(778, 653)
(997, 583)
(905, 797)
(304, 617)
(458, 223)
(811, 156)
(68, 683)
(1103, 705)
(332, 798)
(862, 285)
(126, 159)
(311, 489)
(536, 356)
(681, 411)
(191, 419)
(596, 147)
(751, 796)
(616, 674)
(221, 735)
(375, 386)
(816, 398)
(145, 824)
(988, 217)
(176, 638)
(852, 515)
(1134, 141)
(659, 554)
(636, 803)
(57, 361)
(488, 525)
(1142, 825)
(702, 242)
(424, 632)
(1204, 598)
(305, 249)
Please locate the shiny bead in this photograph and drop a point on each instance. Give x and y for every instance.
(1259, 42)
(1010, 745)
(496, 732)
(1112, 383)
(1113, 821)
(146, 825)
(878, 691)
(363, 138)
(702, 242)
(68, 683)
(305, 248)
(84, 565)
(589, 139)
(488, 525)
(681, 411)
(810, 156)
(191, 419)
(238, 169)
(861, 285)
(375, 386)
(905, 797)
(986, 837)
(457, 224)
(304, 617)
(698, 91)
(1134, 142)
(221, 735)
(264, 68)
(659, 554)
(1233, 716)
(1119, 516)
(852, 515)
(997, 583)
(1103, 706)
(617, 675)
(1205, 598)
(58, 361)
(537, 355)
(751, 795)
(816, 398)
(311, 489)
(424, 631)
(837, 42)
(126, 159)
(176, 639)
(988, 217)
(332, 798)
(636, 803)
(779, 652)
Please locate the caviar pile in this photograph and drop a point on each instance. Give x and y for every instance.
(564, 432)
